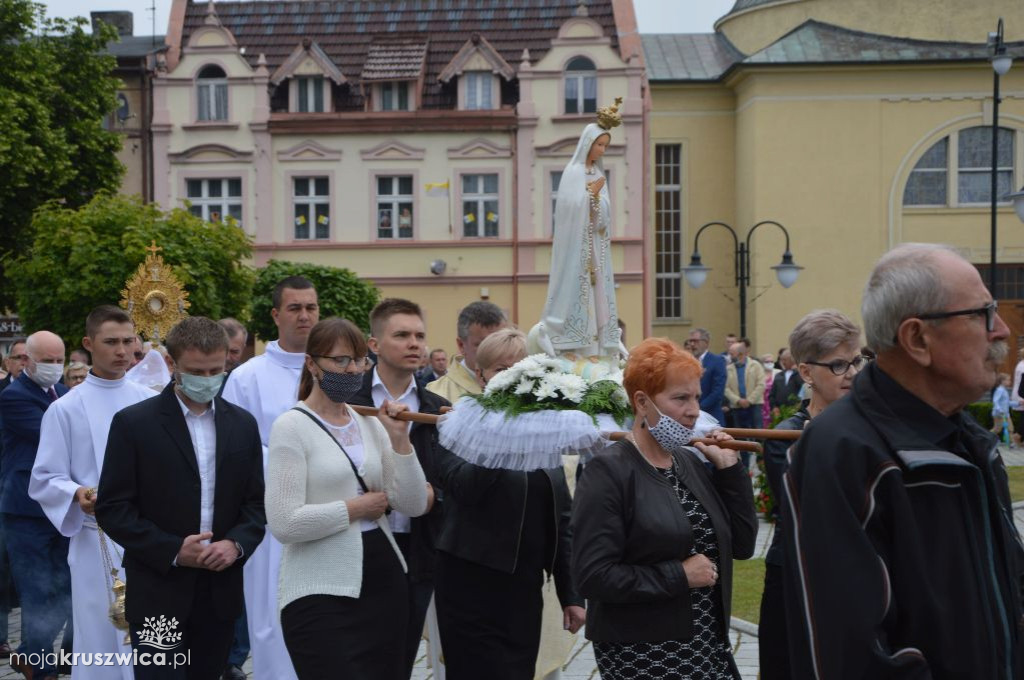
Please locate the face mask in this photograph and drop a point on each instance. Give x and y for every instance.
(46, 375)
(669, 432)
(769, 366)
(200, 388)
(340, 387)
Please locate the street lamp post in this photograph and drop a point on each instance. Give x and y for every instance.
(1001, 63)
(786, 271)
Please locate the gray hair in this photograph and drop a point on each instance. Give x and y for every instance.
(906, 281)
(233, 327)
(482, 313)
(820, 333)
(704, 333)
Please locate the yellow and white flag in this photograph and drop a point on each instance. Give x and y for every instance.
(437, 189)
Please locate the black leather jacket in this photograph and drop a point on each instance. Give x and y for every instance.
(631, 535)
(483, 520)
(424, 439)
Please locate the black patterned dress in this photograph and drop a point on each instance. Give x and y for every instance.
(706, 655)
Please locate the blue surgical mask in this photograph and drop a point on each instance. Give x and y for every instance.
(670, 434)
(200, 388)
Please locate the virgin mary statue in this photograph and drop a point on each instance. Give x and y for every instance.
(580, 316)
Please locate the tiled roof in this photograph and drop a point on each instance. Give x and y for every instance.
(136, 45)
(344, 29)
(708, 56)
(814, 42)
(391, 60)
(688, 56)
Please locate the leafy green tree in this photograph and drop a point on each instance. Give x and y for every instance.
(82, 258)
(339, 291)
(56, 88)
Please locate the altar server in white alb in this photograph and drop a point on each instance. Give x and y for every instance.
(266, 386)
(72, 442)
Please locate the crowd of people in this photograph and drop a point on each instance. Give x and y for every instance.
(254, 505)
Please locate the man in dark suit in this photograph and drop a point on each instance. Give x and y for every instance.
(398, 337)
(786, 385)
(38, 552)
(182, 492)
(712, 381)
(14, 364)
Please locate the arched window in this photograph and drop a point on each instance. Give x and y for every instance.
(580, 86)
(212, 93)
(966, 155)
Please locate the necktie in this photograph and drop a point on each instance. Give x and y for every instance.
(53, 393)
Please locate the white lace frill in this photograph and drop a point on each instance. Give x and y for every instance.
(530, 441)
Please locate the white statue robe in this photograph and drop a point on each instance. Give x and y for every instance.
(72, 443)
(580, 315)
(266, 386)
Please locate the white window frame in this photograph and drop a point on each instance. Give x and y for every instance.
(395, 88)
(394, 202)
(952, 171)
(307, 206)
(213, 208)
(581, 79)
(212, 112)
(660, 256)
(313, 85)
(480, 198)
(479, 91)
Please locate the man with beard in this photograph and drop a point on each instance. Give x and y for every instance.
(902, 556)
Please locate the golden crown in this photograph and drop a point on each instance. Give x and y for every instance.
(609, 116)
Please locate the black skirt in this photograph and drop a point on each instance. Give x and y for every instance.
(328, 636)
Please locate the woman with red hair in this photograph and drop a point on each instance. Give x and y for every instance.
(654, 531)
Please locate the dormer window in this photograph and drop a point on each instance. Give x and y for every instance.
(212, 93)
(580, 86)
(310, 94)
(479, 90)
(393, 96)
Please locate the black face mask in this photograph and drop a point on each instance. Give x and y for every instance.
(340, 387)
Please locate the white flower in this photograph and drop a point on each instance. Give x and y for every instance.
(620, 398)
(502, 381)
(545, 390)
(525, 386)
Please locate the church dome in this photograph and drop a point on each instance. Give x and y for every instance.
(752, 25)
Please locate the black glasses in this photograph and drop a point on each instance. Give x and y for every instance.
(841, 366)
(990, 310)
(343, 361)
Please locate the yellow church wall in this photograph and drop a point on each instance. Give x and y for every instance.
(944, 20)
(826, 152)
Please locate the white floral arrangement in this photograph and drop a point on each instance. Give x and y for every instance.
(541, 383)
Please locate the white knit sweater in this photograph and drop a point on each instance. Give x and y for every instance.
(308, 482)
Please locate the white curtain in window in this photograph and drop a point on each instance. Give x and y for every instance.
(204, 102)
(221, 96)
(485, 91)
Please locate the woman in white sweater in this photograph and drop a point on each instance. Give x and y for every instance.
(331, 478)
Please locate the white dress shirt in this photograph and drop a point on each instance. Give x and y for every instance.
(399, 523)
(203, 433)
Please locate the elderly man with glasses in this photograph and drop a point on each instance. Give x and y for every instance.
(906, 562)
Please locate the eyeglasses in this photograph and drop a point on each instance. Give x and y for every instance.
(343, 361)
(841, 366)
(990, 310)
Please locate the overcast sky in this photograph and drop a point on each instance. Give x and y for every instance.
(654, 16)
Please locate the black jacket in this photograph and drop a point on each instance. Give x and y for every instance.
(905, 560)
(785, 392)
(424, 530)
(630, 536)
(775, 463)
(483, 520)
(149, 501)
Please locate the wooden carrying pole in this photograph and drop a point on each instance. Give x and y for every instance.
(736, 444)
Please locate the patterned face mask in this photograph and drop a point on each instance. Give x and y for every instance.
(340, 387)
(670, 434)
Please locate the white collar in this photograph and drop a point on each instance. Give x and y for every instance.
(293, 360)
(185, 410)
(377, 381)
(96, 381)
